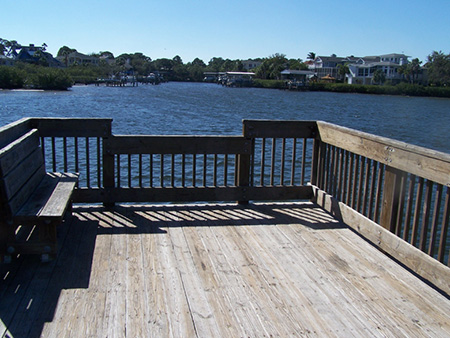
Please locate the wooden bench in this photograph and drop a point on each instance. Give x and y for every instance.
(32, 202)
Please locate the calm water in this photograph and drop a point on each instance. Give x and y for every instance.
(196, 108)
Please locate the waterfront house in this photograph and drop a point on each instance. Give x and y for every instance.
(362, 70)
(37, 55)
(327, 65)
(250, 64)
(76, 58)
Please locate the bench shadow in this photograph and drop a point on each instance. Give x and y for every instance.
(30, 290)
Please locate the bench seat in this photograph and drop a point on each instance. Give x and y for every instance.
(50, 200)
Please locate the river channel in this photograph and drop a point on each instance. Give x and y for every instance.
(210, 109)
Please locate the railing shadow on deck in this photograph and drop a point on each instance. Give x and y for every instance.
(147, 219)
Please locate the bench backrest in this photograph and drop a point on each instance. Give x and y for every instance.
(21, 170)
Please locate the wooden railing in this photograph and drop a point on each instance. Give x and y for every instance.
(403, 188)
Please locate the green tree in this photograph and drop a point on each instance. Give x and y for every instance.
(405, 72)
(215, 64)
(343, 70)
(311, 56)
(379, 77)
(227, 66)
(2, 46)
(179, 72)
(163, 64)
(439, 69)
(12, 47)
(64, 50)
(272, 67)
(297, 64)
(177, 60)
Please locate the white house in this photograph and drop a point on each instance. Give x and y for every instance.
(361, 71)
(76, 58)
(250, 64)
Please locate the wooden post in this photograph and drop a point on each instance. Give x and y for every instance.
(243, 175)
(108, 173)
(391, 198)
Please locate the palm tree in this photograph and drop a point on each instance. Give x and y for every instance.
(311, 56)
(13, 46)
(343, 70)
(2, 46)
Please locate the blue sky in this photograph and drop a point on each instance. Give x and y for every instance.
(231, 29)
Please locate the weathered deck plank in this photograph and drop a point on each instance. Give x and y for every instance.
(216, 270)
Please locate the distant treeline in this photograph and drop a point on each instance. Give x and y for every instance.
(406, 89)
(400, 89)
(31, 76)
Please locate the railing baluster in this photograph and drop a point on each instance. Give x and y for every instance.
(225, 170)
(88, 166)
(355, 182)
(444, 229)
(54, 153)
(366, 187)
(129, 171)
(409, 207)
(350, 179)
(360, 183)
(161, 170)
(379, 193)
(204, 170)
(99, 162)
(332, 182)
(151, 170)
(416, 221)
(401, 205)
(172, 167)
(302, 175)
(118, 170)
(140, 171)
(426, 215)
(183, 170)
(77, 161)
(263, 159)
(252, 163)
(340, 174)
(294, 148)
(435, 221)
(372, 189)
(272, 166)
(215, 171)
(65, 154)
(326, 167)
(194, 169)
(283, 158)
(236, 170)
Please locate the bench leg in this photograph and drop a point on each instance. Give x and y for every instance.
(48, 237)
(34, 239)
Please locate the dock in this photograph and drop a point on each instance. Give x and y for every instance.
(295, 228)
(220, 270)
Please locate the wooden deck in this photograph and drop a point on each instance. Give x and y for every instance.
(215, 270)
